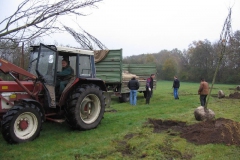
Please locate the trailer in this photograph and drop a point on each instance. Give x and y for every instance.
(116, 75)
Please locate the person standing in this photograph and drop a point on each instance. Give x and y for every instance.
(176, 85)
(133, 85)
(203, 91)
(149, 88)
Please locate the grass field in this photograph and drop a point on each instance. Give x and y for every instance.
(124, 134)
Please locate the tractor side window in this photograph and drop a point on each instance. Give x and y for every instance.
(72, 63)
(85, 66)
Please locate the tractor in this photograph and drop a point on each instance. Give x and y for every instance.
(29, 101)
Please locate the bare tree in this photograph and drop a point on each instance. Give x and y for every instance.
(37, 18)
(86, 40)
(225, 38)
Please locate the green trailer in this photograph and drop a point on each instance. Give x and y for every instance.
(116, 75)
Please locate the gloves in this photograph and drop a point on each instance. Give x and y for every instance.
(149, 89)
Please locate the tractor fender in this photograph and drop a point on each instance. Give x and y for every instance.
(79, 82)
(37, 104)
(96, 81)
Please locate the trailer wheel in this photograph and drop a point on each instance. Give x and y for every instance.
(124, 97)
(85, 107)
(22, 123)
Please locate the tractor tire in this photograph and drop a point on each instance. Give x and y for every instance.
(22, 123)
(124, 97)
(85, 107)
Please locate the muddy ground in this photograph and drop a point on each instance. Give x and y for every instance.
(217, 131)
(220, 130)
(235, 95)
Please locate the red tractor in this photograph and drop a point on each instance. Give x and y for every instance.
(26, 104)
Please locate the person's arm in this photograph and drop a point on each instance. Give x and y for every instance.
(152, 83)
(200, 88)
(148, 83)
(65, 72)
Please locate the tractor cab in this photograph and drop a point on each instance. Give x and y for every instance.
(46, 61)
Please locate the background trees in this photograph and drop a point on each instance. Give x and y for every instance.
(36, 18)
(199, 60)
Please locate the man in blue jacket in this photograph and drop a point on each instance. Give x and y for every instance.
(64, 76)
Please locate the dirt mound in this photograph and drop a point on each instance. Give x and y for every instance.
(160, 125)
(235, 95)
(215, 131)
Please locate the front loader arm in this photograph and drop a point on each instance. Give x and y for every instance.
(7, 67)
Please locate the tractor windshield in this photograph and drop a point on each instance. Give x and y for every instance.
(46, 64)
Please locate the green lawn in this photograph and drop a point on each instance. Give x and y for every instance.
(124, 134)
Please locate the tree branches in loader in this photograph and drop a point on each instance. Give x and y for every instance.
(37, 18)
(86, 40)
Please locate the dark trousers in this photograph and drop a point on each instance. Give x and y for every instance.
(61, 85)
(149, 95)
(203, 100)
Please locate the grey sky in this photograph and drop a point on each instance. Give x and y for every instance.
(149, 26)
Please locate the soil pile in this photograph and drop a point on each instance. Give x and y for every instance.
(220, 130)
(235, 95)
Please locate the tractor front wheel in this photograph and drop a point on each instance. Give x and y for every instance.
(22, 123)
(85, 107)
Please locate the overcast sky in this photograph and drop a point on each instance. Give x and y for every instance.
(149, 26)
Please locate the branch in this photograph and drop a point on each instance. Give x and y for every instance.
(40, 16)
(225, 37)
(86, 41)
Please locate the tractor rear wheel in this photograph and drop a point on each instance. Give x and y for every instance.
(85, 107)
(22, 123)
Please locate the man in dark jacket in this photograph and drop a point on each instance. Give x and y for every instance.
(176, 85)
(64, 76)
(133, 85)
(149, 88)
